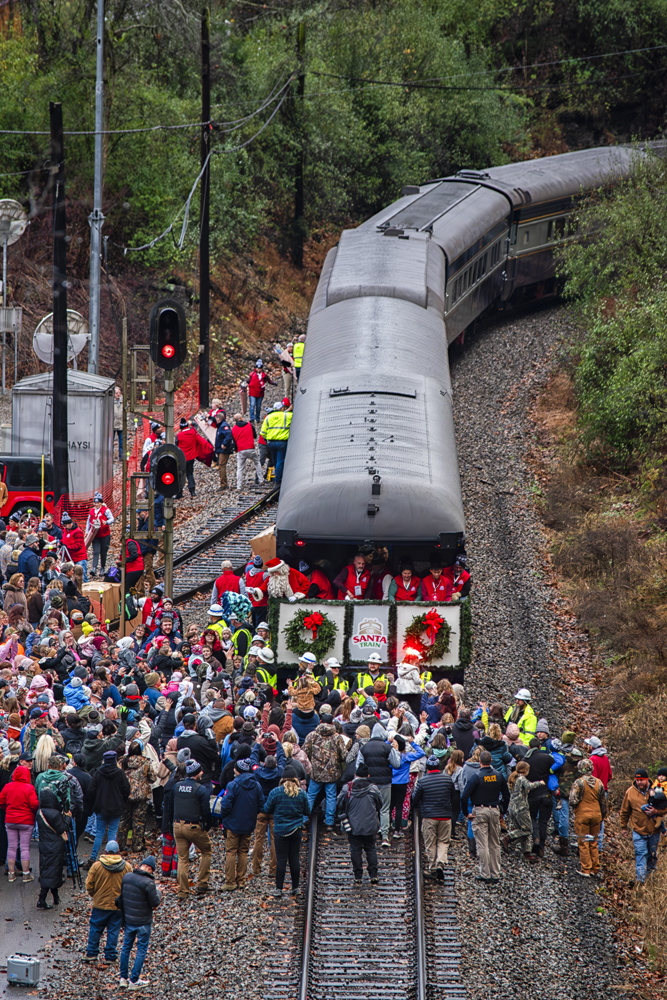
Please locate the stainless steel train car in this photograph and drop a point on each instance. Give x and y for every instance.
(372, 455)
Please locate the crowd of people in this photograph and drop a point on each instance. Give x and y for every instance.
(190, 733)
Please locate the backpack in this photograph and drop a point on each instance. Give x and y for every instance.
(131, 607)
(60, 787)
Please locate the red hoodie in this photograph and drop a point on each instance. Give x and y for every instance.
(601, 768)
(19, 798)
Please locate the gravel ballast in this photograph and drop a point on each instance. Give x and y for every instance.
(538, 934)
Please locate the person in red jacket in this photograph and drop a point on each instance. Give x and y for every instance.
(601, 770)
(244, 435)
(20, 802)
(436, 585)
(285, 581)
(320, 587)
(406, 586)
(461, 578)
(353, 581)
(228, 580)
(186, 439)
(256, 389)
(75, 543)
(98, 530)
(134, 563)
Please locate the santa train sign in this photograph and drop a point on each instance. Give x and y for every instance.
(352, 630)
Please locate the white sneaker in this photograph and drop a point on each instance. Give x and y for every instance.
(122, 982)
(192, 853)
(139, 985)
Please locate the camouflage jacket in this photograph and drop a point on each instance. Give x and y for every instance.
(326, 750)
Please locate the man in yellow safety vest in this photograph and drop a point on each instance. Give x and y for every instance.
(275, 431)
(297, 354)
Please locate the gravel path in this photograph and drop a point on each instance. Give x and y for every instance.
(538, 934)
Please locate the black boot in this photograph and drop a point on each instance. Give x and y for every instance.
(472, 847)
(563, 847)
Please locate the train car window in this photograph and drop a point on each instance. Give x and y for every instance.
(526, 237)
(515, 228)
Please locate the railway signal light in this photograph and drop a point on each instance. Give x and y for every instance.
(167, 471)
(168, 337)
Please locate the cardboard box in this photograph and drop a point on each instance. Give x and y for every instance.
(264, 544)
(104, 598)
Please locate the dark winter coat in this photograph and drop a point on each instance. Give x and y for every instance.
(242, 801)
(94, 749)
(362, 807)
(109, 791)
(380, 757)
(139, 897)
(268, 777)
(540, 765)
(73, 739)
(203, 751)
(85, 780)
(463, 736)
(500, 755)
(433, 794)
(52, 848)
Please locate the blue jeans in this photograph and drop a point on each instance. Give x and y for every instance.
(101, 823)
(646, 858)
(120, 443)
(330, 792)
(600, 836)
(255, 408)
(561, 817)
(83, 563)
(277, 450)
(143, 936)
(99, 919)
(91, 825)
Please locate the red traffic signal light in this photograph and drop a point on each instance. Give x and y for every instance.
(167, 470)
(168, 335)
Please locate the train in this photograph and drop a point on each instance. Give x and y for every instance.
(372, 455)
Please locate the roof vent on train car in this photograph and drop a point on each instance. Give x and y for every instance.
(525, 195)
(474, 175)
(392, 231)
(372, 509)
(410, 189)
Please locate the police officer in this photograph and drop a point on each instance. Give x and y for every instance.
(297, 354)
(483, 799)
(366, 679)
(275, 431)
(192, 820)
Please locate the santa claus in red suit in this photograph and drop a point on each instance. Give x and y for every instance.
(286, 582)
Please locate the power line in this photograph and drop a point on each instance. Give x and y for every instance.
(259, 131)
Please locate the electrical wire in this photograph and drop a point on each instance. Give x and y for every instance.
(166, 128)
(259, 131)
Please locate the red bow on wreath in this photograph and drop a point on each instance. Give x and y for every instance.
(313, 622)
(433, 623)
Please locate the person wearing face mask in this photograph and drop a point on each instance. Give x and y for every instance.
(643, 820)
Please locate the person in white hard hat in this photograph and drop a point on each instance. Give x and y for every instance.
(216, 620)
(368, 677)
(265, 663)
(307, 662)
(330, 677)
(522, 715)
(264, 632)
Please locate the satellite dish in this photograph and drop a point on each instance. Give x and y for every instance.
(77, 336)
(13, 220)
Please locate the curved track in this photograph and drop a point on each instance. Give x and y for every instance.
(225, 536)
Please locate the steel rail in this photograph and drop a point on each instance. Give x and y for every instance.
(308, 916)
(420, 929)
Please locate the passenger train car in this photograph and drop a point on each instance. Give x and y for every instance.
(372, 455)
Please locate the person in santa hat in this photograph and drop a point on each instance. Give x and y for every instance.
(285, 581)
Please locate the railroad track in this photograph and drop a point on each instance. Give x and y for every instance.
(398, 938)
(226, 535)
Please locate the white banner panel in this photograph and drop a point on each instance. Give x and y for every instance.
(406, 613)
(370, 632)
(336, 612)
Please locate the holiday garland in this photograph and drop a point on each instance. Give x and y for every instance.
(324, 633)
(438, 632)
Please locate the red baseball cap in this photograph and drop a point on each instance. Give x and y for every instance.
(287, 401)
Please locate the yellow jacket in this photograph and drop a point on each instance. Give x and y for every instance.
(276, 426)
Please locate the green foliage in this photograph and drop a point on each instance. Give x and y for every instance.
(617, 277)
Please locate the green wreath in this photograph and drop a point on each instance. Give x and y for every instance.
(440, 644)
(325, 631)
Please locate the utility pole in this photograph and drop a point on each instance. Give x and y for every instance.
(168, 502)
(299, 196)
(96, 219)
(204, 224)
(123, 522)
(59, 453)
